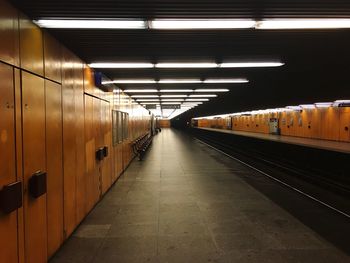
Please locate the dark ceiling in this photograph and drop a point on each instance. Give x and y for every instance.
(317, 61)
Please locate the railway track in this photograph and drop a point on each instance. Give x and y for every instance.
(326, 192)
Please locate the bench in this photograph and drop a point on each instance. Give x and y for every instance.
(141, 144)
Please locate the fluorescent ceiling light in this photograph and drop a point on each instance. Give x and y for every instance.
(134, 81)
(172, 99)
(201, 24)
(121, 65)
(307, 106)
(169, 81)
(326, 23)
(170, 103)
(176, 90)
(226, 81)
(140, 100)
(150, 103)
(186, 65)
(174, 96)
(192, 103)
(323, 104)
(211, 90)
(338, 103)
(144, 96)
(91, 24)
(197, 99)
(250, 64)
(294, 108)
(140, 90)
(203, 95)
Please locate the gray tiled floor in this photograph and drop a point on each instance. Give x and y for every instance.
(187, 203)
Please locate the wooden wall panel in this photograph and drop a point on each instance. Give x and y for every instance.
(8, 222)
(31, 46)
(34, 159)
(69, 143)
(89, 150)
(329, 127)
(52, 58)
(80, 141)
(19, 159)
(98, 138)
(107, 139)
(344, 124)
(54, 164)
(9, 44)
(89, 86)
(164, 123)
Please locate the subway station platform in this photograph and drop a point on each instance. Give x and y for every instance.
(187, 202)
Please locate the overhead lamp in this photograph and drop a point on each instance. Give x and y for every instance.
(238, 80)
(147, 100)
(144, 96)
(341, 103)
(170, 103)
(307, 106)
(132, 81)
(187, 65)
(173, 96)
(176, 81)
(121, 65)
(296, 108)
(203, 95)
(323, 104)
(323, 23)
(140, 90)
(172, 99)
(211, 90)
(192, 103)
(187, 24)
(176, 90)
(197, 99)
(251, 64)
(91, 24)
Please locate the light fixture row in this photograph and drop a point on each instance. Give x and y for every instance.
(173, 90)
(183, 65)
(190, 24)
(176, 96)
(175, 81)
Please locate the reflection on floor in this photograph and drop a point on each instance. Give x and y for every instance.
(188, 203)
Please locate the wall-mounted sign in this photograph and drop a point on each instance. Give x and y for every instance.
(151, 107)
(171, 107)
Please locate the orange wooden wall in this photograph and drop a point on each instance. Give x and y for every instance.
(49, 93)
(331, 123)
(164, 123)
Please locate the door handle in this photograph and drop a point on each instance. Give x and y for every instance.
(11, 197)
(37, 184)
